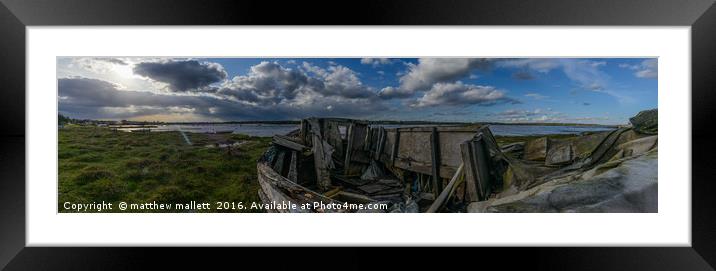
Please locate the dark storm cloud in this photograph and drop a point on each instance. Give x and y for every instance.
(98, 93)
(269, 83)
(92, 98)
(268, 91)
(182, 75)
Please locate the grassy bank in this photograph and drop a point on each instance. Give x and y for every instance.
(97, 164)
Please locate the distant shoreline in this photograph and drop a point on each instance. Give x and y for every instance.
(383, 122)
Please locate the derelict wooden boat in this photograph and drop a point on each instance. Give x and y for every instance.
(349, 162)
(345, 165)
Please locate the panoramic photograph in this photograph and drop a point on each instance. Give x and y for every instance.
(143, 134)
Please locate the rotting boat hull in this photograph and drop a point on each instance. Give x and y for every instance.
(455, 169)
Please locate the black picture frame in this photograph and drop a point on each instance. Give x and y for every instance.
(15, 15)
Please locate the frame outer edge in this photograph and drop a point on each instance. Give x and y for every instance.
(365, 12)
(12, 136)
(12, 101)
(703, 61)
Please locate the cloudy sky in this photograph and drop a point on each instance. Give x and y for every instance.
(604, 91)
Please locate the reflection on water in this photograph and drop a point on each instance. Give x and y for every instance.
(273, 129)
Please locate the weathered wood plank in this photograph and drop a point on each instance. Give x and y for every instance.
(323, 179)
(470, 171)
(446, 171)
(483, 170)
(477, 171)
(268, 180)
(279, 189)
(441, 128)
(332, 192)
(396, 144)
(278, 165)
(349, 150)
(435, 161)
(440, 200)
(427, 196)
(293, 168)
(332, 135)
(303, 133)
(450, 147)
(288, 143)
(359, 149)
(381, 142)
(414, 148)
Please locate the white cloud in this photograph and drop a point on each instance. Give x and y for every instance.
(461, 94)
(341, 81)
(429, 71)
(268, 91)
(536, 96)
(314, 69)
(394, 92)
(375, 61)
(585, 74)
(116, 70)
(97, 99)
(646, 69)
(97, 65)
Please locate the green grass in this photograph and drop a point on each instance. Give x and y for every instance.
(97, 164)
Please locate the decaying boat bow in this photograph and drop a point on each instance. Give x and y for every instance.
(345, 165)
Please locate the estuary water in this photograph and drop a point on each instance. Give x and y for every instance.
(273, 129)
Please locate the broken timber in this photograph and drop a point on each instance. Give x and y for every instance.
(421, 168)
(288, 143)
(292, 170)
(322, 174)
(440, 200)
(381, 142)
(396, 143)
(349, 150)
(421, 157)
(435, 159)
(476, 168)
(279, 162)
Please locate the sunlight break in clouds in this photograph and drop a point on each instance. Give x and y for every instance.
(480, 89)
